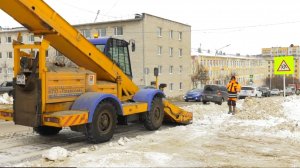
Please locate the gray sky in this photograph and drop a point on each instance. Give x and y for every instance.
(248, 25)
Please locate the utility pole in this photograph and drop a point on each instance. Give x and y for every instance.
(98, 12)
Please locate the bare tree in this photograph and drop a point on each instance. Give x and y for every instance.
(200, 75)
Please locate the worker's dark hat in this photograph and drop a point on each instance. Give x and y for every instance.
(232, 77)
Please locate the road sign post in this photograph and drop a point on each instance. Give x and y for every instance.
(282, 66)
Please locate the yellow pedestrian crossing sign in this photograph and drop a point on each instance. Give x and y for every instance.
(283, 65)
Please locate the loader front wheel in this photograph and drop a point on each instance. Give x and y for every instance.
(104, 122)
(46, 130)
(154, 117)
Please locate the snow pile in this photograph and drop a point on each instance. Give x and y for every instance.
(6, 99)
(56, 153)
(259, 109)
(292, 107)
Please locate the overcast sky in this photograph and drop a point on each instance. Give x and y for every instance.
(247, 25)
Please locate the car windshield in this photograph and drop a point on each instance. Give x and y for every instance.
(211, 88)
(247, 88)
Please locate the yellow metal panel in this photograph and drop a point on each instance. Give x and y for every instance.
(134, 108)
(65, 118)
(61, 106)
(64, 86)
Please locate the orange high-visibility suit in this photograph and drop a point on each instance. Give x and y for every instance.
(233, 87)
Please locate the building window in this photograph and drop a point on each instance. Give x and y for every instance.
(146, 71)
(118, 31)
(9, 54)
(159, 32)
(171, 86)
(180, 69)
(159, 69)
(86, 33)
(170, 51)
(180, 52)
(171, 69)
(31, 38)
(180, 36)
(9, 70)
(8, 39)
(171, 34)
(159, 50)
(180, 86)
(102, 32)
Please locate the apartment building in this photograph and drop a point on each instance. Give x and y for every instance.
(247, 69)
(293, 50)
(159, 42)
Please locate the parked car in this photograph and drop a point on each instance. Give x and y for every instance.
(289, 91)
(193, 95)
(6, 87)
(275, 92)
(249, 91)
(214, 93)
(265, 91)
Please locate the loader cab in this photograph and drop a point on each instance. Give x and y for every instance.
(116, 50)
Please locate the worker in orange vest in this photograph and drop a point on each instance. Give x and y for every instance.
(233, 87)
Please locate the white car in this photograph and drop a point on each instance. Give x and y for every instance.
(249, 91)
(275, 92)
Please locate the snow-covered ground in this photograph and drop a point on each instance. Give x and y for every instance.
(264, 133)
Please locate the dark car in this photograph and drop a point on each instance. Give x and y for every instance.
(6, 87)
(266, 92)
(214, 93)
(193, 95)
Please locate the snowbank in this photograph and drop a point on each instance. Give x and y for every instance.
(6, 99)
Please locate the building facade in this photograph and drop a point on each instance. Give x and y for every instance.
(248, 70)
(160, 43)
(293, 50)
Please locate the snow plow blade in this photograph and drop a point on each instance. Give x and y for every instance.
(6, 112)
(175, 114)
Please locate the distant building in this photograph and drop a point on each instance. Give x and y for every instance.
(249, 70)
(160, 43)
(293, 50)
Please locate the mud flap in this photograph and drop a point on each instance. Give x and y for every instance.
(27, 103)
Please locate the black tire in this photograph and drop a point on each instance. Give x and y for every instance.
(154, 117)
(220, 103)
(186, 100)
(10, 93)
(204, 102)
(46, 130)
(103, 124)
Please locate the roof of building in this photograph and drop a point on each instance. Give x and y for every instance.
(138, 17)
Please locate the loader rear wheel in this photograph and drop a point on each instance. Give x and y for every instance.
(103, 125)
(46, 130)
(154, 117)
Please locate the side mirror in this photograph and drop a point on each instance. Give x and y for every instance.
(156, 72)
(162, 85)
